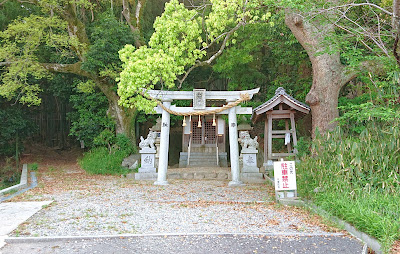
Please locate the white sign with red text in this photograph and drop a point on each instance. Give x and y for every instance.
(285, 175)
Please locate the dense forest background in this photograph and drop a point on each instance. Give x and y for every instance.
(62, 108)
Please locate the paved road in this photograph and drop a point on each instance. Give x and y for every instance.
(192, 244)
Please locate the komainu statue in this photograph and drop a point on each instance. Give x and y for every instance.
(149, 141)
(246, 141)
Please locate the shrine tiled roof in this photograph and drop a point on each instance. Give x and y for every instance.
(280, 93)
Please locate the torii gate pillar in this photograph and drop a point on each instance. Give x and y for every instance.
(234, 147)
(164, 144)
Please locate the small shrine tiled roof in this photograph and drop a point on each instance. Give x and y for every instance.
(281, 97)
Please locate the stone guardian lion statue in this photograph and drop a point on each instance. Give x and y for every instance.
(246, 141)
(149, 141)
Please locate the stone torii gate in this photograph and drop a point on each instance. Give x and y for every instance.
(199, 97)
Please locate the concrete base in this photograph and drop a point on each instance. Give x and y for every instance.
(147, 170)
(145, 176)
(161, 183)
(236, 184)
(252, 177)
(268, 166)
(291, 202)
(249, 169)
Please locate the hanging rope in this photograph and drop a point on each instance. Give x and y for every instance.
(243, 97)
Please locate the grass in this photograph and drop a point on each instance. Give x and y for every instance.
(33, 166)
(358, 178)
(9, 174)
(101, 161)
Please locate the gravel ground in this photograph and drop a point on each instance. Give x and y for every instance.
(97, 205)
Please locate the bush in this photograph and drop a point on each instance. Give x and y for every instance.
(89, 118)
(100, 161)
(359, 178)
(33, 166)
(9, 175)
(14, 128)
(107, 159)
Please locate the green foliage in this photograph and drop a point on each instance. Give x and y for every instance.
(172, 47)
(303, 146)
(21, 43)
(107, 161)
(90, 116)
(181, 40)
(108, 36)
(9, 175)
(242, 62)
(13, 9)
(100, 161)
(355, 116)
(123, 143)
(15, 126)
(381, 105)
(33, 166)
(359, 177)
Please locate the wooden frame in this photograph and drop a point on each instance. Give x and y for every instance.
(280, 107)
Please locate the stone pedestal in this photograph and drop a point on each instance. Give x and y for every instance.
(249, 160)
(147, 160)
(250, 171)
(147, 171)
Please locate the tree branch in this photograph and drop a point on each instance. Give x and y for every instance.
(68, 68)
(127, 15)
(213, 57)
(356, 5)
(5, 63)
(396, 14)
(395, 53)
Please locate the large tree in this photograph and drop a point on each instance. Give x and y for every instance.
(343, 40)
(185, 37)
(78, 37)
(329, 32)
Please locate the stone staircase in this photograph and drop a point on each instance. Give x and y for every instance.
(199, 160)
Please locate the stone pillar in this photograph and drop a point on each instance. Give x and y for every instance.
(234, 148)
(164, 144)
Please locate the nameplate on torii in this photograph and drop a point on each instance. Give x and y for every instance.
(199, 98)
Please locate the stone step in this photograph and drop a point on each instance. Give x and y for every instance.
(212, 173)
(203, 156)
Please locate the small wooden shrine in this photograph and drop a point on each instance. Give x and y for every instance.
(280, 107)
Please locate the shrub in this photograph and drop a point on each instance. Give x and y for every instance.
(100, 161)
(359, 178)
(89, 118)
(33, 166)
(9, 175)
(107, 159)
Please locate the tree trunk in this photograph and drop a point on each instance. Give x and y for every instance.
(124, 117)
(328, 73)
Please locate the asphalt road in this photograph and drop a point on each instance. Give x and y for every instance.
(192, 244)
